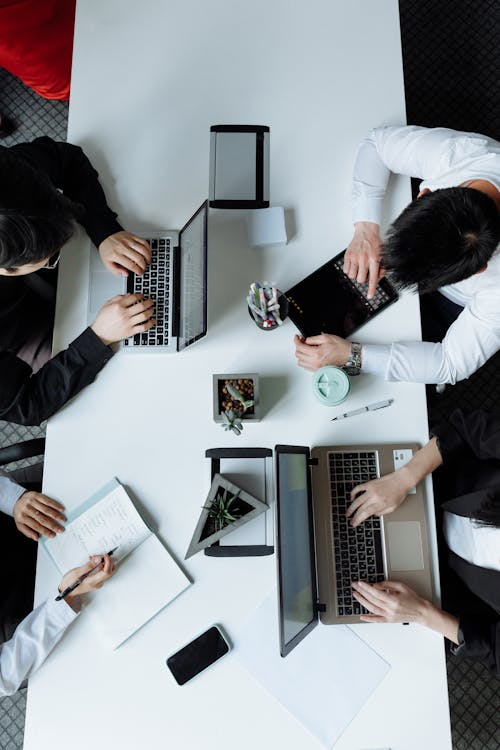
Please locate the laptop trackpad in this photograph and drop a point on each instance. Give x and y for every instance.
(103, 286)
(404, 545)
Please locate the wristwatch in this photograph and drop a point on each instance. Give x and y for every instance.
(353, 364)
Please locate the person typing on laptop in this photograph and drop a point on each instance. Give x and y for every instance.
(443, 244)
(465, 455)
(36, 220)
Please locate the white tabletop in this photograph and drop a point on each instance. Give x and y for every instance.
(149, 79)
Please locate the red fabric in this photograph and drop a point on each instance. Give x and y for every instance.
(36, 43)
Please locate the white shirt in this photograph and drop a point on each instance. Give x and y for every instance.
(38, 633)
(34, 639)
(442, 158)
(479, 545)
(10, 492)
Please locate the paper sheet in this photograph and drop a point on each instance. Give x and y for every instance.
(323, 682)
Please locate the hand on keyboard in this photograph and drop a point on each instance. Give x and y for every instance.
(391, 601)
(123, 316)
(379, 496)
(123, 252)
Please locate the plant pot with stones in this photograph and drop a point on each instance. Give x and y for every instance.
(236, 400)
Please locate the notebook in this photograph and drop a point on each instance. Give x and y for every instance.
(320, 554)
(147, 577)
(328, 301)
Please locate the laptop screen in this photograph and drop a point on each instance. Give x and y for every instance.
(193, 279)
(295, 543)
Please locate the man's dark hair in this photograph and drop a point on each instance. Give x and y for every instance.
(36, 220)
(441, 238)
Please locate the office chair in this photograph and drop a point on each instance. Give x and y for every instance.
(31, 476)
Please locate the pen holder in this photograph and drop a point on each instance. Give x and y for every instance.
(331, 385)
(267, 306)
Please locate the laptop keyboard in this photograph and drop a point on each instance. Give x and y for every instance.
(155, 284)
(378, 300)
(358, 551)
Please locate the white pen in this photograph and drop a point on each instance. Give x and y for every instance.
(370, 407)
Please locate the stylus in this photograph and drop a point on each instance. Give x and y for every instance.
(362, 409)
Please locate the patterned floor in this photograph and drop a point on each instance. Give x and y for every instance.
(452, 69)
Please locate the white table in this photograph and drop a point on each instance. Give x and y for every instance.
(149, 79)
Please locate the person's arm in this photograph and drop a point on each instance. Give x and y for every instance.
(27, 398)
(469, 342)
(391, 601)
(10, 492)
(479, 638)
(476, 433)
(36, 636)
(381, 496)
(407, 150)
(69, 169)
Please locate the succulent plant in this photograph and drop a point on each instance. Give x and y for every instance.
(220, 508)
(234, 392)
(233, 421)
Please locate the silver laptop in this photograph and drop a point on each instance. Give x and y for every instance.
(320, 554)
(176, 280)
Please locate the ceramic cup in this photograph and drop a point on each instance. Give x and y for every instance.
(331, 385)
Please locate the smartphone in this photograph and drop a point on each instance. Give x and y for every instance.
(198, 655)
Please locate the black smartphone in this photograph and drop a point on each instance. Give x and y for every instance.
(198, 655)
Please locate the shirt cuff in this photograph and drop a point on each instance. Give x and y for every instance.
(91, 348)
(10, 492)
(375, 358)
(449, 441)
(60, 613)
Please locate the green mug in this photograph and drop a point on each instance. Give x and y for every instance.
(331, 385)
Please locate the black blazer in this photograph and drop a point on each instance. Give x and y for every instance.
(470, 447)
(26, 398)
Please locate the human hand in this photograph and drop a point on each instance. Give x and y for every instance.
(122, 252)
(379, 496)
(123, 316)
(362, 257)
(92, 582)
(318, 351)
(391, 601)
(36, 514)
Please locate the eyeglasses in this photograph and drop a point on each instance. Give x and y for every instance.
(53, 260)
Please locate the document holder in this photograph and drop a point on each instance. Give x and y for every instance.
(239, 166)
(250, 468)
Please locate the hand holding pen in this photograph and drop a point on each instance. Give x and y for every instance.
(90, 576)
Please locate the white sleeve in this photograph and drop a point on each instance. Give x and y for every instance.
(469, 342)
(404, 149)
(9, 493)
(33, 640)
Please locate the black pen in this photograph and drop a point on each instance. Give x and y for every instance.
(78, 581)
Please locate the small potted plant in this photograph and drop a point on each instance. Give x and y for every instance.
(236, 399)
(227, 507)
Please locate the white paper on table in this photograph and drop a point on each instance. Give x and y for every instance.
(323, 682)
(266, 226)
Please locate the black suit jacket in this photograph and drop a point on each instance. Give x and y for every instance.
(470, 475)
(28, 398)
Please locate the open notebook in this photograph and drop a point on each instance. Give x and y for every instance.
(145, 582)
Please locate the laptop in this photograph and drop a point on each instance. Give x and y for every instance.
(176, 280)
(319, 553)
(328, 301)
